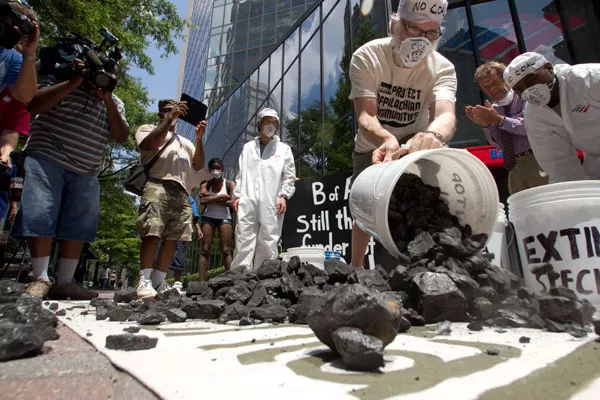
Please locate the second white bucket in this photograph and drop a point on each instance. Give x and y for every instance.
(466, 184)
(560, 224)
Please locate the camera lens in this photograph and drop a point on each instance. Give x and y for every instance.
(101, 80)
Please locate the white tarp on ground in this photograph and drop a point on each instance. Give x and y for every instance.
(199, 360)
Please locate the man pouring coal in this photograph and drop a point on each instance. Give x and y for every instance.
(561, 115)
(404, 92)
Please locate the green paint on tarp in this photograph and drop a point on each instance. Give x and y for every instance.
(427, 371)
(557, 381)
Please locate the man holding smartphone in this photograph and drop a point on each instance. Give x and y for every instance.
(165, 214)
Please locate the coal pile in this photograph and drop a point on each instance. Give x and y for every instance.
(441, 276)
(24, 324)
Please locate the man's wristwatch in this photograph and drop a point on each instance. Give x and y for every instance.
(438, 136)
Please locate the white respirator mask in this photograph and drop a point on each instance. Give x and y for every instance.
(269, 130)
(216, 173)
(411, 51)
(540, 94)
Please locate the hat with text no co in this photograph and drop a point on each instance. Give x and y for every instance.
(522, 66)
(267, 112)
(423, 10)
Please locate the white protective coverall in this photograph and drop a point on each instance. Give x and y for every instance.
(260, 182)
(555, 138)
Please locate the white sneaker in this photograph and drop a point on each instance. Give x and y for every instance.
(145, 290)
(163, 287)
(178, 285)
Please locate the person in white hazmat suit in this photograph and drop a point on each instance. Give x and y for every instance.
(562, 114)
(265, 181)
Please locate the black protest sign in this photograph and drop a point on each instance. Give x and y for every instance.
(319, 215)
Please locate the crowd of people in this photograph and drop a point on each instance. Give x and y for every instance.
(404, 95)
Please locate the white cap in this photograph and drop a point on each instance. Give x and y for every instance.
(423, 10)
(522, 66)
(267, 112)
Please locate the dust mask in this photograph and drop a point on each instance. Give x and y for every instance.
(539, 95)
(411, 51)
(216, 173)
(269, 130)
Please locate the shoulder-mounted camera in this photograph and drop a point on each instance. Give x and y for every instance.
(13, 24)
(101, 61)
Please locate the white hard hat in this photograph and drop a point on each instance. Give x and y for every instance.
(267, 112)
(522, 66)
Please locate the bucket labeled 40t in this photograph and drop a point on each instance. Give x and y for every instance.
(465, 182)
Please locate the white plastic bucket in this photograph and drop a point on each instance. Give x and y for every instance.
(560, 224)
(497, 241)
(310, 255)
(466, 184)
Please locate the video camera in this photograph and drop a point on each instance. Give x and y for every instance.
(9, 36)
(102, 62)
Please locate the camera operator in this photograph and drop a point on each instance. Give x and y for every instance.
(61, 192)
(18, 45)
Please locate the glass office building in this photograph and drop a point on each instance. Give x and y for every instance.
(304, 76)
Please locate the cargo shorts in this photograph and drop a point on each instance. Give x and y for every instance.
(165, 212)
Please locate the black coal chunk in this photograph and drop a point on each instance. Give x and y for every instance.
(132, 329)
(151, 318)
(369, 278)
(308, 300)
(269, 313)
(420, 246)
(176, 315)
(557, 308)
(204, 309)
(238, 292)
(482, 308)
(475, 325)
(359, 352)
(125, 295)
(61, 313)
(119, 314)
(19, 340)
(337, 271)
(198, 288)
(129, 342)
(438, 299)
(269, 269)
(355, 306)
(53, 307)
(258, 297)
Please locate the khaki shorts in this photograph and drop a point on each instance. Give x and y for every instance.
(165, 212)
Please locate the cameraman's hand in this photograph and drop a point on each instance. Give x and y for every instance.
(104, 95)
(31, 44)
(81, 69)
(177, 110)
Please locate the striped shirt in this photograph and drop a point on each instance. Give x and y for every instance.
(74, 133)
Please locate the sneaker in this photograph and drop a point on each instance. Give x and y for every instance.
(163, 287)
(71, 290)
(38, 288)
(145, 290)
(177, 285)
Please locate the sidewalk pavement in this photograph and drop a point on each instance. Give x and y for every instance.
(70, 368)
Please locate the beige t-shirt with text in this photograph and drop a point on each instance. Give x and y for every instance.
(175, 162)
(403, 94)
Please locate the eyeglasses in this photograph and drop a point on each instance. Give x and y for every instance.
(416, 32)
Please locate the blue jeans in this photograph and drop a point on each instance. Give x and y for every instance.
(57, 203)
